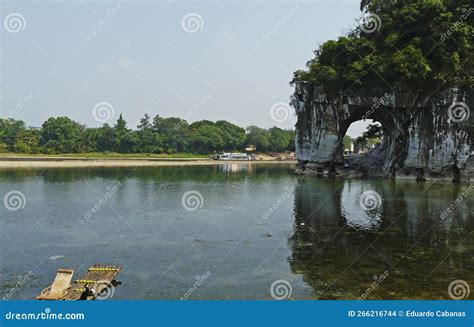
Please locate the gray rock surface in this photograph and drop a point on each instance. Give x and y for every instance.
(425, 138)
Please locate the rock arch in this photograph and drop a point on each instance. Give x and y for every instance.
(421, 139)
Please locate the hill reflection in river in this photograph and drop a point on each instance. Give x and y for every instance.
(341, 248)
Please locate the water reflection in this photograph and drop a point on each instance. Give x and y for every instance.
(234, 168)
(338, 247)
(218, 171)
(357, 214)
(319, 237)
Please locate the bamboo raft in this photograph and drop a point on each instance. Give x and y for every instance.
(97, 283)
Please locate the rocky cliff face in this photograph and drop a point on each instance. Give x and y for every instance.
(425, 138)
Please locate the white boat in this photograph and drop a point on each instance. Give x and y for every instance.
(235, 156)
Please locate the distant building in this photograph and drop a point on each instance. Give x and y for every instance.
(251, 148)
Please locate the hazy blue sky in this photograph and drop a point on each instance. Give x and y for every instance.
(235, 63)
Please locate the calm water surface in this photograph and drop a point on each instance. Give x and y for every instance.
(258, 223)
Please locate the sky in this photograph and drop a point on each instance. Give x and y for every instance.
(231, 60)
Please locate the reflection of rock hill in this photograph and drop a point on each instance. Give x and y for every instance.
(339, 248)
(422, 141)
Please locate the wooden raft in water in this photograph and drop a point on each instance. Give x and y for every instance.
(100, 279)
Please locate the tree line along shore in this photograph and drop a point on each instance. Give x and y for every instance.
(153, 137)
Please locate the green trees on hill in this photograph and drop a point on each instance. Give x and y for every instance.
(415, 46)
(158, 135)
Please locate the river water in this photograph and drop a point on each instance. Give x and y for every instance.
(231, 231)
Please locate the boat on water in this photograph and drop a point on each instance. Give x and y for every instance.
(97, 283)
(235, 156)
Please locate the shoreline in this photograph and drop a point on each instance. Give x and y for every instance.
(77, 162)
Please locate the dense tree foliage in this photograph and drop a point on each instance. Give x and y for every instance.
(347, 142)
(62, 135)
(15, 137)
(259, 137)
(280, 140)
(370, 138)
(416, 46)
(157, 135)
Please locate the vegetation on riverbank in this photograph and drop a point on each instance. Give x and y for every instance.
(158, 136)
(108, 155)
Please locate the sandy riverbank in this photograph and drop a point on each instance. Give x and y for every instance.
(47, 162)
